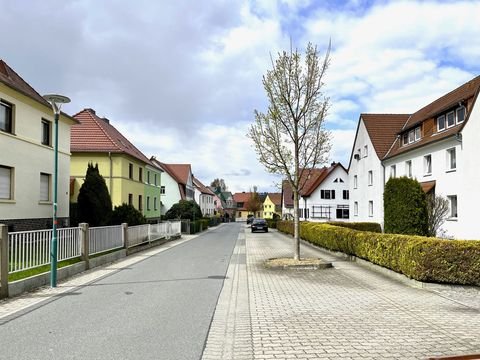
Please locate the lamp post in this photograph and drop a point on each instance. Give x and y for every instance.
(56, 101)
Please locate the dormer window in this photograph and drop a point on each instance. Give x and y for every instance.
(412, 136)
(451, 118)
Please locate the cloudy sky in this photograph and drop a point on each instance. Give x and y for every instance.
(181, 79)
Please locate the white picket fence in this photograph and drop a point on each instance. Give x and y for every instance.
(30, 249)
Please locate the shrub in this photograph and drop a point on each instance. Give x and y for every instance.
(94, 205)
(184, 209)
(361, 226)
(405, 207)
(127, 214)
(272, 224)
(420, 258)
(198, 225)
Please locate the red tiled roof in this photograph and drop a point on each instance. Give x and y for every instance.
(203, 189)
(179, 172)
(287, 194)
(276, 198)
(382, 130)
(95, 134)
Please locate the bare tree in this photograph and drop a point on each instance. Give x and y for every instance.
(437, 208)
(254, 204)
(290, 138)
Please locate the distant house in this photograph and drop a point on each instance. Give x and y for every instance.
(437, 145)
(130, 176)
(241, 201)
(324, 195)
(27, 156)
(228, 204)
(204, 197)
(272, 205)
(177, 183)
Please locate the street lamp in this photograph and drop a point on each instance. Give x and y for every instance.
(56, 101)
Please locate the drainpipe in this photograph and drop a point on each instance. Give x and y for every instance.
(111, 172)
(382, 224)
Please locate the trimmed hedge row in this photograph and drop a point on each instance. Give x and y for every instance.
(420, 258)
(361, 226)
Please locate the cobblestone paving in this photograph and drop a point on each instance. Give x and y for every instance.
(346, 312)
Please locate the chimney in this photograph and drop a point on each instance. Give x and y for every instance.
(334, 163)
(106, 120)
(90, 110)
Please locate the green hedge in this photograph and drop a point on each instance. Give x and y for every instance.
(361, 226)
(272, 224)
(419, 258)
(198, 225)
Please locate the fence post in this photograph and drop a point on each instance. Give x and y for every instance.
(84, 240)
(125, 235)
(149, 232)
(3, 261)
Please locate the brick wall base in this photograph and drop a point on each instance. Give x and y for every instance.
(33, 224)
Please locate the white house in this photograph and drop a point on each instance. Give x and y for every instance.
(177, 184)
(26, 156)
(323, 197)
(204, 198)
(436, 146)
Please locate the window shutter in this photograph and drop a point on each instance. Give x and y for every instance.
(322, 194)
(5, 185)
(333, 194)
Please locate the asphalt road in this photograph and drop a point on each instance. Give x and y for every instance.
(160, 308)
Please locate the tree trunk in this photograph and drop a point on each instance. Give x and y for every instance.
(296, 228)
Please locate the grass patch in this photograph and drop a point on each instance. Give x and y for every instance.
(40, 270)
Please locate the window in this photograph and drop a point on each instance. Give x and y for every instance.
(460, 114)
(327, 194)
(393, 171)
(322, 212)
(148, 177)
(343, 212)
(130, 199)
(405, 139)
(441, 123)
(355, 181)
(6, 183)
(140, 203)
(154, 203)
(6, 119)
(411, 136)
(44, 187)
(346, 195)
(140, 174)
(148, 203)
(408, 168)
(418, 133)
(307, 213)
(450, 119)
(130, 171)
(370, 208)
(451, 159)
(155, 179)
(453, 206)
(370, 177)
(162, 190)
(365, 151)
(46, 132)
(427, 164)
(355, 208)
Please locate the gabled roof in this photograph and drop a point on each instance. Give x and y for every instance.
(180, 172)
(276, 198)
(382, 130)
(10, 78)
(242, 197)
(287, 194)
(465, 95)
(95, 134)
(445, 102)
(202, 188)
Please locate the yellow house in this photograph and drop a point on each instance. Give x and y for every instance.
(272, 205)
(127, 172)
(27, 156)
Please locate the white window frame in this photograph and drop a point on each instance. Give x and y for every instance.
(48, 178)
(418, 131)
(444, 123)
(6, 173)
(370, 208)
(408, 168)
(452, 113)
(370, 177)
(355, 182)
(8, 129)
(365, 151)
(450, 152)
(453, 206)
(464, 114)
(393, 171)
(355, 208)
(162, 190)
(427, 165)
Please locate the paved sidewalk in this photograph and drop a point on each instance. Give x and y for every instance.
(347, 312)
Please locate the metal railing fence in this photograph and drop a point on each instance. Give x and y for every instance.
(105, 238)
